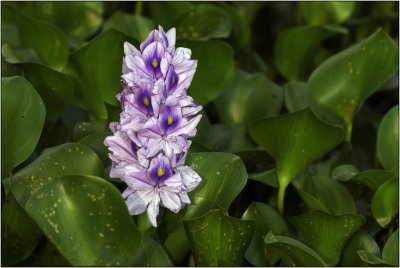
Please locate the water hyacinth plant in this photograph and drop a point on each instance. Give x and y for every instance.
(150, 143)
(199, 134)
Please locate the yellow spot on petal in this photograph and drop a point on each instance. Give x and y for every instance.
(160, 172)
(170, 120)
(146, 101)
(137, 147)
(154, 63)
(173, 80)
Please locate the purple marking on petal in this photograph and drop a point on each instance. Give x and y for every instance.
(160, 169)
(143, 100)
(172, 80)
(170, 118)
(152, 55)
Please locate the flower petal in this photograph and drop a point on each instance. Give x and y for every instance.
(153, 208)
(170, 200)
(189, 177)
(138, 201)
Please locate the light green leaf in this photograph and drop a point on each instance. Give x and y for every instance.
(268, 177)
(294, 140)
(295, 54)
(96, 76)
(204, 22)
(216, 236)
(266, 219)
(135, 26)
(150, 253)
(370, 258)
(384, 204)
(340, 84)
(66, 159)
(296, 96)
(215, 69)
(223, 178)
(55, 88)
(87, 220)
(344, 172)
(177, 244)
(301, 254)
(373, 178)
(359, 241)
(387, 146)
(33, 41)
(249, 97)
(326, 234)
(390, 252)
(22, 117)
(320, 13)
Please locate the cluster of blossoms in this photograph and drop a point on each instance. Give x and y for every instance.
(150, 142)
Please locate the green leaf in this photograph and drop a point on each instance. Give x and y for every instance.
(215, 69)
(296, 96)
(23, 115)
(87, 220)
(373, 178)
(96, 143)
(359, 241)
(294, 141)
(135, 26)
(326, 234)
(166, 14)
(216, 236)
(227, 139)
(66, 159)
(256, 160)
(344, 172)
(301, 254)
(370, 258)
(45, 254)
(223, 178)
(150, 253)
(387, 147)
(340, 84)
(266, 219)
(319, 13)
(204, 22)
(326, 194)
(78, 19)
(19, 234)
(96, 77)
(177, 244)
(249, 97)
(55, 89)
(34, 40)
(390, 252)
(294, 54)
(268, 177)
(384, 204)
(83, 129)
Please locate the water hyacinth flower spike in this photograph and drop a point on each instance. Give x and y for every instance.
(149, 143)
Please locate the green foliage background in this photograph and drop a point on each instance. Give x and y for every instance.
(297, 148)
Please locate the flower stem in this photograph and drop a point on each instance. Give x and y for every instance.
(139, 8)
(281, 198)
(349, 128)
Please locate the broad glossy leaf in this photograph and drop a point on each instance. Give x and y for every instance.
(55, 89)
(326, 234)
(177, 244)
(205, 21)
(319, 13)
(215, 69)
(78, 19)
(266, 219)
(66, 159)
(216, 236)
(96, 143)
(167, 13)
(387, 147)
(296, 96)
(361, 240)
(370, 258)
(96, 76)
(249, 97)
(87, 220)
(295, 140)
(373, 178)
(223, 178)
(340, 84)
(83, 129)
(22, 117)
(384, 204)
(268, 177)
(34, 40)
(150, 253)
(301, 254)
(135, 26)
(344, 172)
(295, 54)
(19, 233)
(227, 139)
(390, 252)
(326, 194)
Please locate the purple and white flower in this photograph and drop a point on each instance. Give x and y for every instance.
(150, 142)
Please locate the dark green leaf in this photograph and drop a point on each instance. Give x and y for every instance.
(326, 234)
(373, 178)
(296, 96)
(370, 258)
(387, 147)
(22, 117)
(150, 253)
(227, 139)
(87, 220)
(83, 129)
(167, 13)
(268, 177)
(344, 172)
(96, 143)
(320, 13)
(390, 252)
(216, 236)
(359, 241)
(384, 204)
(249, 97)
